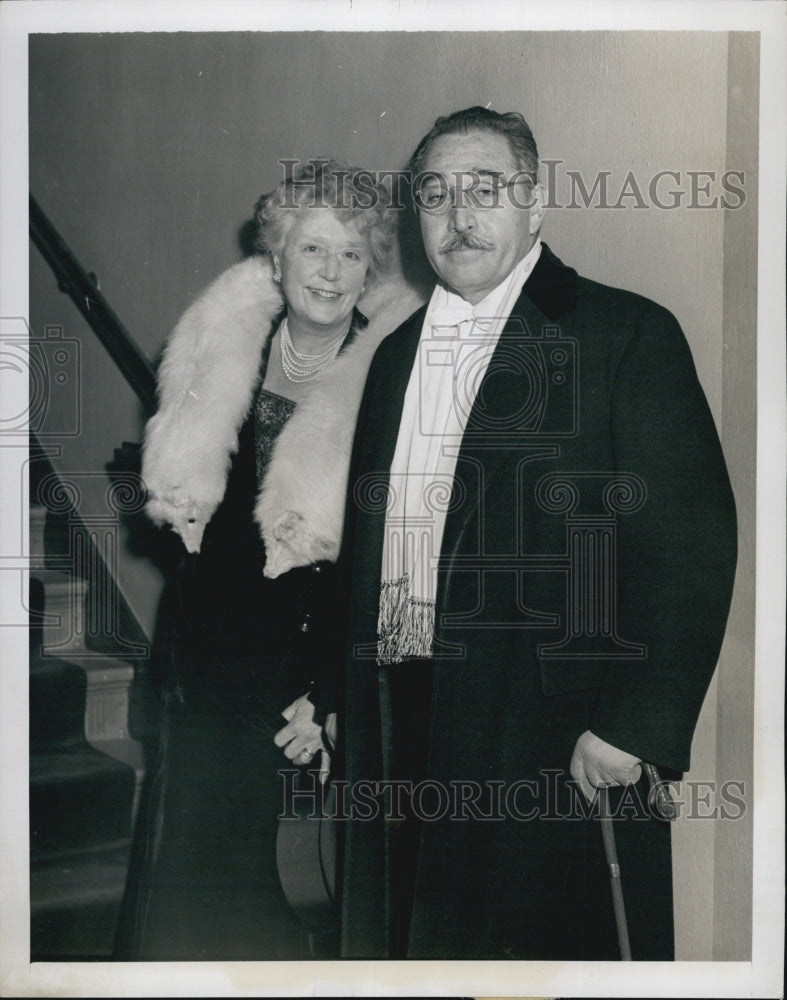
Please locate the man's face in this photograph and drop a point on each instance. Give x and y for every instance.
(473, 248)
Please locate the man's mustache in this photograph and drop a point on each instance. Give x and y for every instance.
(465, 241)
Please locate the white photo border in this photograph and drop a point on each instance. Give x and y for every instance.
(760, 977)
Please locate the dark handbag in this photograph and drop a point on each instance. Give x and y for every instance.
(306, 850)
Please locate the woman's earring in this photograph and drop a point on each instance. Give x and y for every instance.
(276, 272)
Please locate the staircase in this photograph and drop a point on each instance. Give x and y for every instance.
(92, 700)
(86, 767)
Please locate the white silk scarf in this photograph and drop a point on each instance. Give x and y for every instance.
(456, 344)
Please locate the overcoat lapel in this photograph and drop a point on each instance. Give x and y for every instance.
(397, 378)
(380, 415)
(549, 292)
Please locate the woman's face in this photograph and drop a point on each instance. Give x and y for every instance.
(323, 267)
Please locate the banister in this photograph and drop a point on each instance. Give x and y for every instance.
(77, 283)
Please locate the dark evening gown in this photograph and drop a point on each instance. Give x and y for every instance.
(203, 882)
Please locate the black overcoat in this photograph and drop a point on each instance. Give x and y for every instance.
(585, 577)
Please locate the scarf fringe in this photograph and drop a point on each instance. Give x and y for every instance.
(405, 626)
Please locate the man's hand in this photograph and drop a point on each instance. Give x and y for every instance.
(595, 764)
(302, 737)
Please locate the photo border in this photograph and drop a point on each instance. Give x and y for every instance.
(760, 977)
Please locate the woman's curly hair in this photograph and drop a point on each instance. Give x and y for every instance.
(353, 193)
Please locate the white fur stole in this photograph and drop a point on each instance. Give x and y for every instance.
(207, 378)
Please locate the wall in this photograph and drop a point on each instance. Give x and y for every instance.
(149, 151)
(733, 898)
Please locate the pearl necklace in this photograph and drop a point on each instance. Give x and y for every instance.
(303, 367)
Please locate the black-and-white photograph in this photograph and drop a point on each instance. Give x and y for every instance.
(392, 448)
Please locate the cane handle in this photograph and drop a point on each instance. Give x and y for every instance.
(659, 798)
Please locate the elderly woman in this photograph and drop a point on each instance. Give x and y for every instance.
(277, 340)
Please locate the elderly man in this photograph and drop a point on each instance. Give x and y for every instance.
(541, 545)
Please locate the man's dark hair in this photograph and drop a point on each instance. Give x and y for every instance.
(509, 124)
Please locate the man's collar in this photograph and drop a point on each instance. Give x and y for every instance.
(551, 285)
(450, 302)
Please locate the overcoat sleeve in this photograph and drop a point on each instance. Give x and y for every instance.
(676, 554)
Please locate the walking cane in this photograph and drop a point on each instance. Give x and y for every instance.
(608, 833)
(661, 799)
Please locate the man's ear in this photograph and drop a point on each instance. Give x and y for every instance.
(538, 198)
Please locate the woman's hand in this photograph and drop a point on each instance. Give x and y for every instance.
(302, 737)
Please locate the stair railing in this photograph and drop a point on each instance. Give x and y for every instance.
(84, 293)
